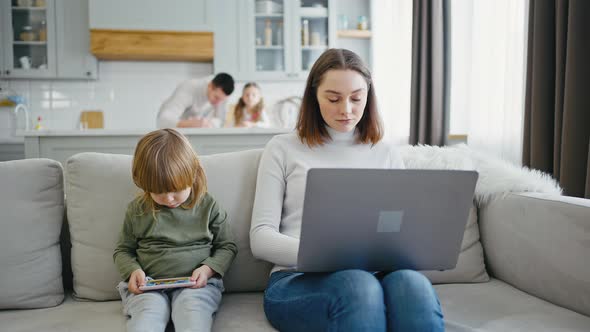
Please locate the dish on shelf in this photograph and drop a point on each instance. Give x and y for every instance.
(313, 11)
(268, 7)
(25, 3)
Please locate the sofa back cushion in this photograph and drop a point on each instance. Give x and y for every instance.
(98, 189)
(32, 205)
(232, 181)
(539, 243)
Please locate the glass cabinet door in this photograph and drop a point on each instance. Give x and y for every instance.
(270, 53)
(30, 39)
(285, 37)
(313, 23)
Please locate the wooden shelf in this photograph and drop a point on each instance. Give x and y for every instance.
(151, 45)
(354, 34)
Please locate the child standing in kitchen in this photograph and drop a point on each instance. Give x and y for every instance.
(249, 111)
(175, 228)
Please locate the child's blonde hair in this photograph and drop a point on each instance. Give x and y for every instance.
(164, 161)
(241, 106)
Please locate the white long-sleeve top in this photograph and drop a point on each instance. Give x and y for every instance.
(189, 99)
(280, 187)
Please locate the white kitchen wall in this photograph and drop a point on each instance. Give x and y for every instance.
(128, 92)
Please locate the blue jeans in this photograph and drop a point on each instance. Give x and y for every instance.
(190, 309)
(352, 300)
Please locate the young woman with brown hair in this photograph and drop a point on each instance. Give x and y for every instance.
(338, 126)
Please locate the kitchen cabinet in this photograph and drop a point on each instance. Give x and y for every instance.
(279, 40)
(12, 151)
(275, 40)
(29, 39)
(46, 39)
(156, 30)
(152, 15)
(73, 41)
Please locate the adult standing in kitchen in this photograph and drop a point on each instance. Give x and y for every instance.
(197, 102)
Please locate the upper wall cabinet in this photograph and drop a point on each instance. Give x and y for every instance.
(281, 39)
(180, 30)
(155, 15)
(46, 39)
(272, 40)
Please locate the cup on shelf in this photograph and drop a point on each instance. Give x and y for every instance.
(363, 23)
(25, 62)
(342, 22)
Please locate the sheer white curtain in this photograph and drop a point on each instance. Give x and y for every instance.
(493, 95)
(392, 65)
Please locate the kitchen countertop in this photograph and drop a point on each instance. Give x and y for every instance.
(139, 132)
(12, 140)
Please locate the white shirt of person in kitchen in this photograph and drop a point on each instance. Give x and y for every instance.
(198, 102)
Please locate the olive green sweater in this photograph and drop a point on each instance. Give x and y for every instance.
(176, 242)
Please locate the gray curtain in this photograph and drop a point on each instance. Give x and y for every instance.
(557, 105)
(427, 118)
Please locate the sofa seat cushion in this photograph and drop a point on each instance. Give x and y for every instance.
(32, 205)
(238, 312)
(493, 306)
(496, 306)
(71, 315)
(241, 312)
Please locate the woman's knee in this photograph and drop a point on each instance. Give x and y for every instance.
(408, 285)
(356, 286)
(408, 280)
(412, 304)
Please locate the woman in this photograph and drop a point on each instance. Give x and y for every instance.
(338, 126)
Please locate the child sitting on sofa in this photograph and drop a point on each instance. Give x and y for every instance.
(174, 229)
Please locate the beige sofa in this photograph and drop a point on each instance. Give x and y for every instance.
(535, 276)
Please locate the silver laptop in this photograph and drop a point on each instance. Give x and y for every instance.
(384, 219)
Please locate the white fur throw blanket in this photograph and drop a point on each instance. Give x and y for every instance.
(496, 177)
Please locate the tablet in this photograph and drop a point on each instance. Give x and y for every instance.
(167, 283)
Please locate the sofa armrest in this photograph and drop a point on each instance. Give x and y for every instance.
(540, 243)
